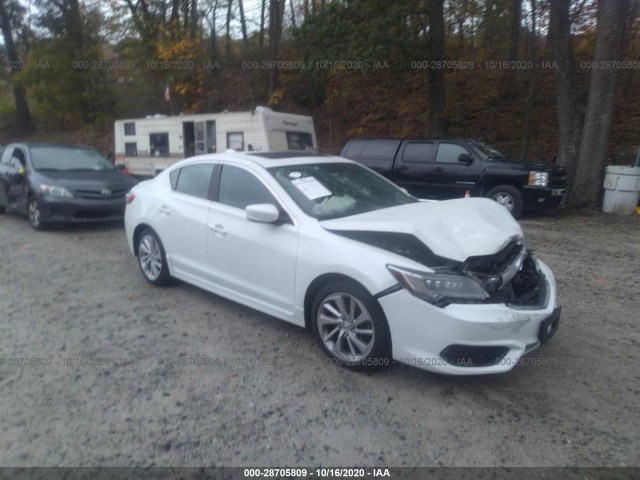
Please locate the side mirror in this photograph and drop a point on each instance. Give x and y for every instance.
(262, 213)
(121, 167)
(465, 158)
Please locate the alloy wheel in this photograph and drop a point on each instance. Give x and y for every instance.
(346, 327)
(150, 257)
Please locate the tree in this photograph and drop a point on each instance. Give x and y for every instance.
(567, 104)
(23, 116)
(437, 125)
(612, 22)
(514, 49)
(276, 12)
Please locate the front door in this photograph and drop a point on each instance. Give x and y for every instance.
(254, 261)
(450, 178)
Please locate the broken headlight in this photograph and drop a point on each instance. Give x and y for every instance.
(435, 287)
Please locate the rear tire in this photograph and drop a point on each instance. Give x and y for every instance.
(509, 197)
(152, 259)
(350, 326)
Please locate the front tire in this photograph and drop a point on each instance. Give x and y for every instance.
(152, 259)
(35, 215)
(509, 197)
(350, 326)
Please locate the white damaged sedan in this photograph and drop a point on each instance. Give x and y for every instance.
(325, 243)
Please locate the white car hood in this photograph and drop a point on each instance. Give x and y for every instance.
(454, 229)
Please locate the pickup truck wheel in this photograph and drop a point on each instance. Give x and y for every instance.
(509, 197)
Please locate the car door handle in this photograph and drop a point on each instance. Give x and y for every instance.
(402, 168)
(438, 170)
(164, 209)
(218, 230)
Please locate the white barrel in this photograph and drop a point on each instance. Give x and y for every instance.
(621, 189)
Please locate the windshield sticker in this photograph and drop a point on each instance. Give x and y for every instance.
(295, 175)
(311, 188)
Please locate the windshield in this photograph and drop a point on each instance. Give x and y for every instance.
(68, 158)
(334, 190)
(487, 151)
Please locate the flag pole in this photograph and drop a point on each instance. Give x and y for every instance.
(167, 97)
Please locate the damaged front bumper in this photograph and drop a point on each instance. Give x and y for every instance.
(467, 339)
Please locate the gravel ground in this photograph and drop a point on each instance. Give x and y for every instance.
(112, 391)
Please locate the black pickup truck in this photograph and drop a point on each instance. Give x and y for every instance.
(454, 167)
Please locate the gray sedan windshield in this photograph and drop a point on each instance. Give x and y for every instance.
(334, 190)
(67, 158)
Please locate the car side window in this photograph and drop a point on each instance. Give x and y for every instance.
(449, 153)
(193, 179)
(17, 159)
(239, 188)
(416, 152)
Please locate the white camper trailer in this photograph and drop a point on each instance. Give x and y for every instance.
(148, 145)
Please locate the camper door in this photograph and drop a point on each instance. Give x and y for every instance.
(205, 137)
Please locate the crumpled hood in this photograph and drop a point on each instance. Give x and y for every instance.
(454, 229)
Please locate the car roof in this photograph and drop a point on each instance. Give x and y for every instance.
(48, 144)
(269, 159)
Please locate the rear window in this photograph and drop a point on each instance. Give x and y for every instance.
(299, 141)
(371, 149)
(417, 152)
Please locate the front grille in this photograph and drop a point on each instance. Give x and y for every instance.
(473, 356)
(510, 276)
(494, 264)
(558, 178)
(101, 194)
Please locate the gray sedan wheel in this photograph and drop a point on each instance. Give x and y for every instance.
(35, 215)
(152, 259)
(350, 326)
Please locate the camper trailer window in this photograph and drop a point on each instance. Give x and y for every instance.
(299, 141)
(129, 128)
(159, 143)
(131, 149)
(235, 140)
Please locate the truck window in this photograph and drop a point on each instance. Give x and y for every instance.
(159, 143)
(449, 153)
(131, 149)
(129, 128)
(353, 149)
(380, 149)
(417, 152)
(299, 141)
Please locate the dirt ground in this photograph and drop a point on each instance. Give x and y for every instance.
(95, 369)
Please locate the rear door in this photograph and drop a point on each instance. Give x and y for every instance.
(448, 177)
(182, 219)
(413, 167)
